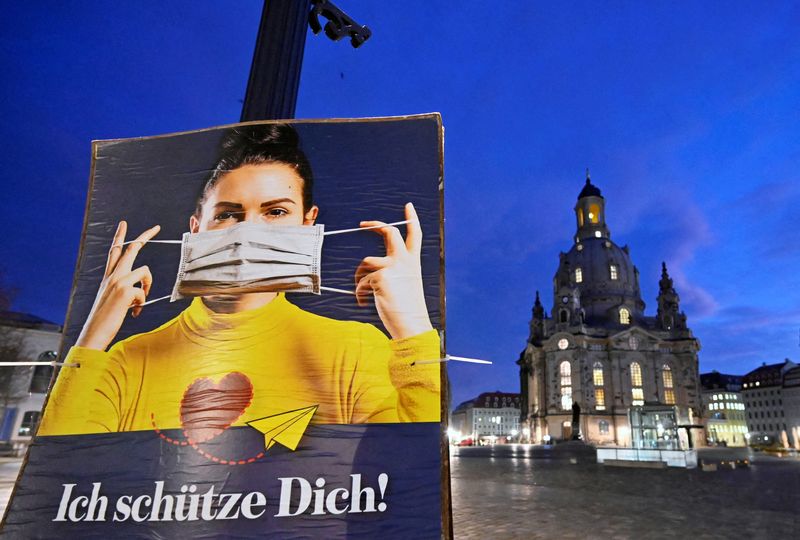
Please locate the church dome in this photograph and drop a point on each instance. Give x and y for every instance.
(596, 280)
(604, 276)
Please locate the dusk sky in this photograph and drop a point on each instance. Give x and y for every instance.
(687, 115)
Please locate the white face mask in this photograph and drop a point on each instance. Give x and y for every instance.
(249, 258)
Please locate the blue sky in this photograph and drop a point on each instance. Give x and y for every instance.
(688, 116)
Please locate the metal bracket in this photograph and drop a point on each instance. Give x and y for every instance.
(339, 24)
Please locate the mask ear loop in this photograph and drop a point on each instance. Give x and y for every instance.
(356, 229)
(152, 242)
(153, 301)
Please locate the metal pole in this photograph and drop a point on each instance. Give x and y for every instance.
(277, 61)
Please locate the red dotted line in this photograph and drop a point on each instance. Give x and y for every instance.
(168, 439)
(216, 459)
(189, 442)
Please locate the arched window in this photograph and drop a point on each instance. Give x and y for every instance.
(562, 316)
(565, 370)
(637, 393)
(594, 213)
(580, 217)
(669, 388)
(578, 275)
(624, 316)
(613, 272)
(599, 389)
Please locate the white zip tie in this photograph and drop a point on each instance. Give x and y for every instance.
(12, 364)
(448, 358)
(371, 227)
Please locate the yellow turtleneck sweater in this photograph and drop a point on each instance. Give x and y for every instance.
(234, 368)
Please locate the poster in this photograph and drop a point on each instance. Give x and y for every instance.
(221, 377)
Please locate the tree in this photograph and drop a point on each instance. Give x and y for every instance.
(12, 379)
(7, 293)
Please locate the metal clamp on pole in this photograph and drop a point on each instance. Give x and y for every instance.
(339, 25)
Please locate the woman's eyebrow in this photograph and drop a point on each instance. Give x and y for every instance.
(278, 201)
(226, 204)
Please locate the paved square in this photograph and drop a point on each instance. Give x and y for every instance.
(517, 491)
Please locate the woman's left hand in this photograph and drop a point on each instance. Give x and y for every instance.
(395, 280)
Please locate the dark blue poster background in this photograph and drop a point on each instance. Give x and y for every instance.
(130, 464)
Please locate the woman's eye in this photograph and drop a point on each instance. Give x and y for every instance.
(276, 212)
(224, 216)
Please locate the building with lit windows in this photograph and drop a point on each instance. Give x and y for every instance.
(492, 417)
(24, 338)
(723, 409)
(635, 377)
(771, 395)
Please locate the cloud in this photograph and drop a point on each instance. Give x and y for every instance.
(675, 230)
(750, 318)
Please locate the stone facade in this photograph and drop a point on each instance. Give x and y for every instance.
(600, 350)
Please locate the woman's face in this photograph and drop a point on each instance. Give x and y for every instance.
(264, 193)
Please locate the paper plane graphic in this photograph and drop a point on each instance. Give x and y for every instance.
(286, 428)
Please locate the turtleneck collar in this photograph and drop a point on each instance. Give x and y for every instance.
(231, 331)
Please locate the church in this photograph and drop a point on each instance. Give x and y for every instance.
(633, 377)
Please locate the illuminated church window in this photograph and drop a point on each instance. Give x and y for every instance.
(599, 390)
(637, 393)
(624, 316)
(612, 270)
(578, 275)
(669, 389)
(594, 213)
(566, 385)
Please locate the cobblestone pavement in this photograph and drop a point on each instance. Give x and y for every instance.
(516, 491)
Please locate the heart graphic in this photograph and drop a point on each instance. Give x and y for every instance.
(209, 408)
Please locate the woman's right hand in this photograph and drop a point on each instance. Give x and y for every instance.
(118, 291)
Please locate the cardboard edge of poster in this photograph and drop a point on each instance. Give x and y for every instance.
(421, 116)
(444, 384)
